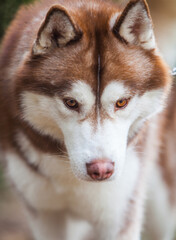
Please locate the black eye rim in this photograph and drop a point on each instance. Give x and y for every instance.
(120, 108)
(75, 107)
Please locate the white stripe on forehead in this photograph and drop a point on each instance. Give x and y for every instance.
(83, 93)
(80, 90)
(115, 91)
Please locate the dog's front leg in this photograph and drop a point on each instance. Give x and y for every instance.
(106, 230)
(111, 232)
(132, 226)
(47, 225)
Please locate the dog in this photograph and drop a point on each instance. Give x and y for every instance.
(164, 19)
(87, 126)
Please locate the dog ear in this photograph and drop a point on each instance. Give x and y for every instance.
(135, 25)
(57, 30)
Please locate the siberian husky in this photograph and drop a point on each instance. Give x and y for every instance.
(87, 122)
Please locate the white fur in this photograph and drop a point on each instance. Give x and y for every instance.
(113, 20)
(146, 37)
(62, 200)
(58, 186)
(102, 199)
(161, 215)
(40, 112)
(143, 107)
(81, 92)
(88, 140)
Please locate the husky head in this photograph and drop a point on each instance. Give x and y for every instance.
(93, 77)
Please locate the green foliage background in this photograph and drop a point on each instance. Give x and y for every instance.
(8, 9)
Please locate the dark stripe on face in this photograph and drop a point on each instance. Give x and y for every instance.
(43, 143)
(34, 168)
(98, 57)
(98, 82)
(47, 88)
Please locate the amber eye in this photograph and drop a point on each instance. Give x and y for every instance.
(71, 103)
(121, 103)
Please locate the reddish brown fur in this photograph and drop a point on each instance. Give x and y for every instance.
(124, 14)
(167, 157)
(78, 60)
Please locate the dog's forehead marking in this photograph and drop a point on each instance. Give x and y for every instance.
(83, 92)
(98, 89)
(115, 90)
(98, 80)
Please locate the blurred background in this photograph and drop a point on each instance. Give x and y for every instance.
(12, 219)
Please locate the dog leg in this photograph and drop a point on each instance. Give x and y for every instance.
(132, 230)
(48, 225)
(161, 212)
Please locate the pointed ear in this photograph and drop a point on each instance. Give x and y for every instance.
(57, 30)
(135, 25)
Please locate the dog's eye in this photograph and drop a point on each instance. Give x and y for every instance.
(120, 104)
(71, 103)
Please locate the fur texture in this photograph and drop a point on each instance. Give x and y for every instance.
(94, 54)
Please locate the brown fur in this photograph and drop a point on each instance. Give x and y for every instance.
(167, 157)
(139, 69)
(65, 65)
(54, 71)
(124, 14)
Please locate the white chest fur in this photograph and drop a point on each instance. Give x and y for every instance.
(58, 189)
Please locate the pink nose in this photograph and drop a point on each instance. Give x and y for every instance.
(100, 169)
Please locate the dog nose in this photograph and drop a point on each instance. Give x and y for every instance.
(100, 169)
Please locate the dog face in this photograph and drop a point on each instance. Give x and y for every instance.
(94, 80)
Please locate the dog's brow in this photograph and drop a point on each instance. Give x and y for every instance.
(48, 88)
(64, 86)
